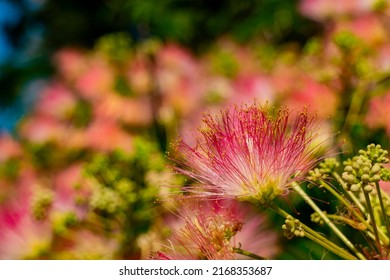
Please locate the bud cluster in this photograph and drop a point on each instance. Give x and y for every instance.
(293, 228)
(363, 171)
(385, 174)
(375, 153)
(316, 218)
(328, 166)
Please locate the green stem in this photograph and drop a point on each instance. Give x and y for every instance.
(368, 201)
(339, 252)
(354, 108)
(350, 222)
(382, 235)
(352, 211)
(384, 215)
(343, 201)
(318, 238)
(329, 244)
(314, 206)
(248, 254)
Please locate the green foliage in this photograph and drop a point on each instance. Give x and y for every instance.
(116, 46)
(81, 115)
(10, 169)
(123, 193)
(194, 23)
(41, 203)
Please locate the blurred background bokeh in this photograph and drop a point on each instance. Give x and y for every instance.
(94, 92)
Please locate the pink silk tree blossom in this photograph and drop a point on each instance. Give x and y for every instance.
(249, 153)
(213, 230)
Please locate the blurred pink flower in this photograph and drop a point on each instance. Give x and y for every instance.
(131, 111)
(178, 80)
(283, 77)
(217, 89)
(21, 236)
(325, 9)
(68, 188)
(249, 87)
(367, 27)
(139, 76)
(248, 153)
(56, 101)
(9, 147)
(256, 235)
(317, 97)
(213, 229)
(106, 136)
(96, 80)
(87, 245)
(240, 57)
(383, 57)
(42, 129)
(71, 63)
(176, 59)
(378, 112)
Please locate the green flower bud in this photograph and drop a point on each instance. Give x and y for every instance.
(349, 169)
(375, 178)
(365, 178)
(368, 188)
(329, 165)
(376, 168)
(355, 187)
(366, 169)
(315, 175)
(349, 178)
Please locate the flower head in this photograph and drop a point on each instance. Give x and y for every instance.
(202, 230)
(214, 229)
(21, 235)
(249, 153)
(206, 234)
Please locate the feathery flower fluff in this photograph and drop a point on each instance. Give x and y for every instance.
(249, 153)
(212, 229)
